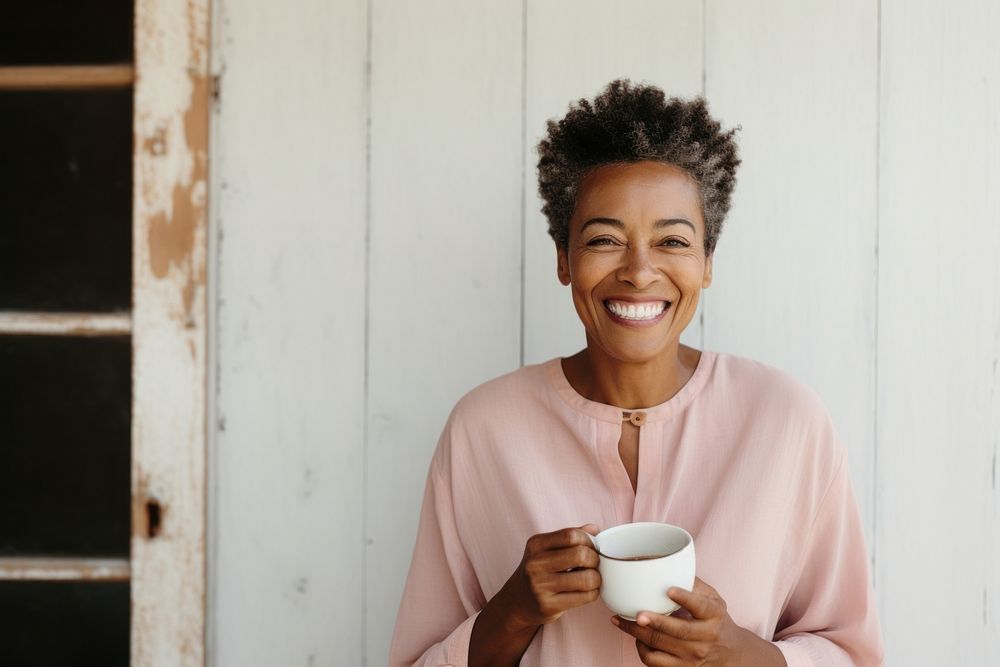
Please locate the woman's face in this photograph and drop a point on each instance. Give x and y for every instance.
(636, 257)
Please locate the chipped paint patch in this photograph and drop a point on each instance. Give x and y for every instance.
(169, 428)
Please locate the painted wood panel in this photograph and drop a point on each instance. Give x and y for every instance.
(444, 297)
(574, 49)
(794, 272)
(169, 333)
(287, 586)
(938, 557)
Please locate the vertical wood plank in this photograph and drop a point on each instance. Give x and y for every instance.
(938, 565)
(795, 267)
(445, 252)
(289, 545)
(169, 318)
(574, 49)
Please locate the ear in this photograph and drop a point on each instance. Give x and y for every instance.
(706, 280)
(562, 265)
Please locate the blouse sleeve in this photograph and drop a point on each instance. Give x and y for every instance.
(442, 597)
(830, 617)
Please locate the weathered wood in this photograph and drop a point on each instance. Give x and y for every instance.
(64, 569)
(795, 267)
(65, 324)
(170, 180)
(445, 252)
(287, 567)
(938, 532)
(573, 50)
(66, 77)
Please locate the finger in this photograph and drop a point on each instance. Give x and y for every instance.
(679, 628)
(560, 539)
(579, 580)
(577, 598)
(654, 658)
(701, 606)
(570, 558)
(703, 588)
(652, 638)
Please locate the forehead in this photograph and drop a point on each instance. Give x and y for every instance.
(638, 189)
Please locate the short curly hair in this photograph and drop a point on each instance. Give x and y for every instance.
(631, 122)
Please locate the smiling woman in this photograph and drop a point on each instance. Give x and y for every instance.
(638, 428)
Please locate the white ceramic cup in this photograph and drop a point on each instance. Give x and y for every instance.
(631, 586)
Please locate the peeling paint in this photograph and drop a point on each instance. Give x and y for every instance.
(172, 237)
(171, 116)
(172, 240)
(156, 144)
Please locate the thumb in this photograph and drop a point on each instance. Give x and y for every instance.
(590, 528)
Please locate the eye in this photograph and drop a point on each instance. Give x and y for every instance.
(676, 243)
(600, 240)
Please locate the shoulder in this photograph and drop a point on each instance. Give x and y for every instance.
(768, 389)
(491, 410)
(501, 395)
(783, 411)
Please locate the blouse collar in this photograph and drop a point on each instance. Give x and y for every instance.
(612, 413)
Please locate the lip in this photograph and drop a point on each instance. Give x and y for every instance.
(632, 298)
(637, 324)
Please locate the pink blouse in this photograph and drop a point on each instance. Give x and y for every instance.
(744, 457)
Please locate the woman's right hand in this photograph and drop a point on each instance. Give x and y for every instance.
(557, 573)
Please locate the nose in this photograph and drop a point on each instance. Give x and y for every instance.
(637, 268)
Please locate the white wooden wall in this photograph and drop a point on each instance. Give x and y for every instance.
(379, 250)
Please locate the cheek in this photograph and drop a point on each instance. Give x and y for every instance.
(589, 272)
(686, 275)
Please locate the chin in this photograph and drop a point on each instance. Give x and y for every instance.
(636, 354)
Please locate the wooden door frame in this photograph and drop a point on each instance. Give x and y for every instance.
(170, 332)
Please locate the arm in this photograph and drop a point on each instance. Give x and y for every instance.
(442, 618)
(830, 616)
(828, 619)
(558, 572)
(442, 595)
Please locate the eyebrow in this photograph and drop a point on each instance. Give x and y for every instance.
(620, 225)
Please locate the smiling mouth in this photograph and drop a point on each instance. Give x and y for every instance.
(636, 312)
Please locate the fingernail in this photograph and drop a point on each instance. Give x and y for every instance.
(614, 619)
(642, 619)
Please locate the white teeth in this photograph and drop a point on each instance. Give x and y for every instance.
(633, 312)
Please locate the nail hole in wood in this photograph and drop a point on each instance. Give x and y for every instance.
(153, 515)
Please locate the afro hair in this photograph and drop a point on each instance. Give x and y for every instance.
(631, 122)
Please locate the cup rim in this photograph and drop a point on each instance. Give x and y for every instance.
(626, 526)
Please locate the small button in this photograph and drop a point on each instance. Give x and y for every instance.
(637, 418)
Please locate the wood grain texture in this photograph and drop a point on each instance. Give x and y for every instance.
(66, 77)
(938, 557)
(795, 267)
(574, 49)
(169, 327)
(64, 569)
(65, 324)
(289, 461)
(445, 251)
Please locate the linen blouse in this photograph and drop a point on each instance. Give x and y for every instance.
(744, 457)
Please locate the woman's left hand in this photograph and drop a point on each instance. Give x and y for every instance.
(708, 637)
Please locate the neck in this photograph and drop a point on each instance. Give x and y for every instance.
(629, 385)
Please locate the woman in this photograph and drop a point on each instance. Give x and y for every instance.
(638, 427)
